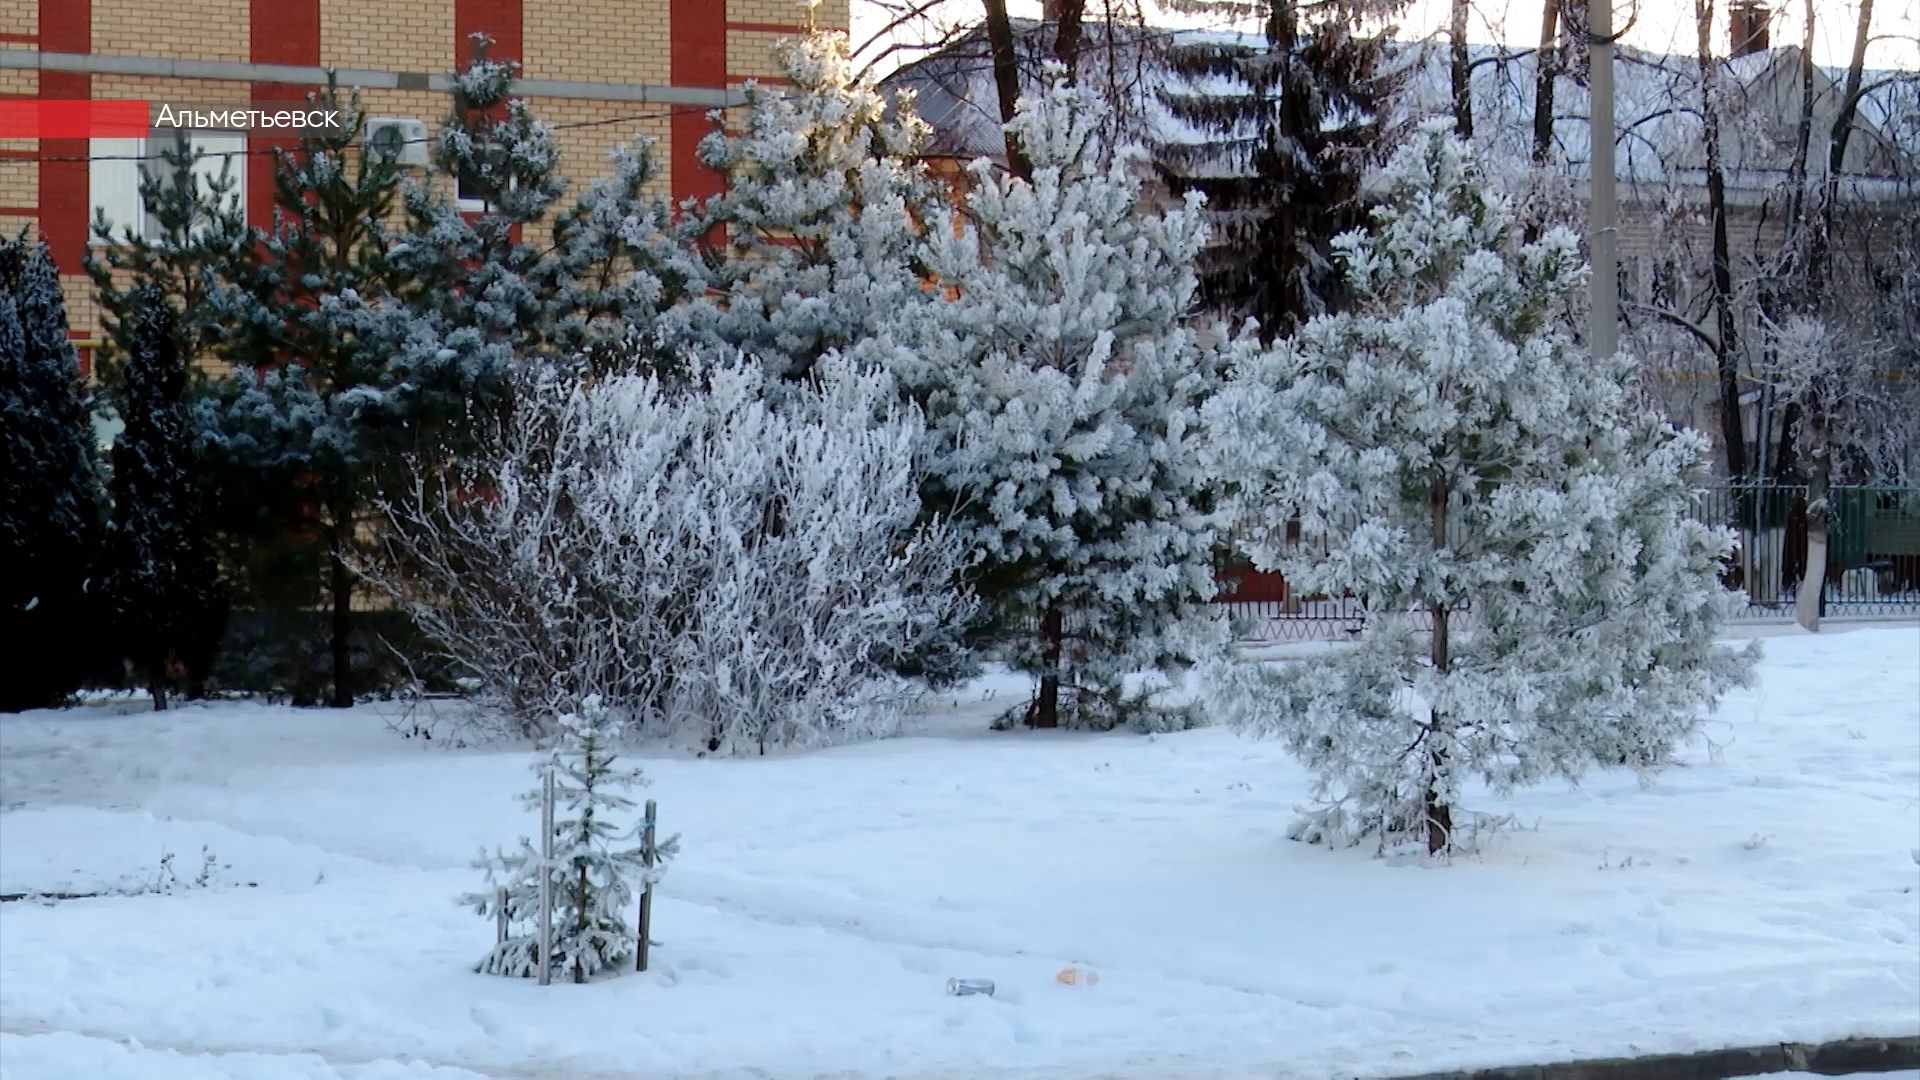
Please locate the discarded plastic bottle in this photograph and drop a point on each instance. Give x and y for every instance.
(963, 987)
(1075, 975)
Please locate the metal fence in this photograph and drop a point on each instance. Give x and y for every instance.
(1873, 547)
(1873, 564)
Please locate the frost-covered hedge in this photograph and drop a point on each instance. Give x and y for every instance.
(729, 563)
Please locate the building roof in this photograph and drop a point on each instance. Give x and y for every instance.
(1657, 105)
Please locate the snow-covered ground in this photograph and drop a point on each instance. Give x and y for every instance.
(1767, 889)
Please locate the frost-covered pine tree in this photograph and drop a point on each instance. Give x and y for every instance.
(593, 873)
(168, 603)
(820, 213)
(494, 172)
(619, 259)
(51, 504)
(1062, 380)
(168, 599)
(340, 368)
(1539, 597)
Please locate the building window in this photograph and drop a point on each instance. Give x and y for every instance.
(470, 195)
(113, 176)
(113, 183)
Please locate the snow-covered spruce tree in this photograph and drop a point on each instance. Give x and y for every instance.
(820, 212)
(1460, 459)
(1277, 134)
(338, 378)
(722, 570)
(475, 269)
(51, 504)
(168, 603)
(1062, 380)
(592, 878)
(619, 259)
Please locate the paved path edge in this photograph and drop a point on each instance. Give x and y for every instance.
(1837, 1058)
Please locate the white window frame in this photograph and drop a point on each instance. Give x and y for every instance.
(467, 205)
(117, 165)
(113, 185)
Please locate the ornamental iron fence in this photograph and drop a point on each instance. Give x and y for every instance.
(1873, 564)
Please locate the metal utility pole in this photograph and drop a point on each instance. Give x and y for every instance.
(1603, 211)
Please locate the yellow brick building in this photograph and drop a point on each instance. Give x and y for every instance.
(603, 71)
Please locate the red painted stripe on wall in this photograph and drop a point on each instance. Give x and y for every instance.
(498, 19)
(65, 26)
(698, 30)
(278, 32)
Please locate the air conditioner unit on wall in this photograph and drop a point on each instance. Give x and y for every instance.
(401, 136)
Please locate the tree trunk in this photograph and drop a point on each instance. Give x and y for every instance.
(157, 688)
(1838, 137)
(1725, 349)
(1006, 79)
(1802, 138)
(1461, 68)
(1807, 605)
(579, 965)
(1439, 815)
(1546, 68)
(1046, 706)
(340, 585)
(1786, 458)
(1067, 35)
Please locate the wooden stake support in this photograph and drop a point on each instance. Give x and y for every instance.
(546, 877)
(647, 855)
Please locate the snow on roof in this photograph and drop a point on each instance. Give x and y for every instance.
(1657, 105)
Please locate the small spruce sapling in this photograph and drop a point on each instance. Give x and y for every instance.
(592, 878)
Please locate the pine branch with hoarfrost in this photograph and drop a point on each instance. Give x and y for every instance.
(821, 212)
(1540, 599)
(619, 260)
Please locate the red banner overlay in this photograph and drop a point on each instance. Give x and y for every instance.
(72, 119)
